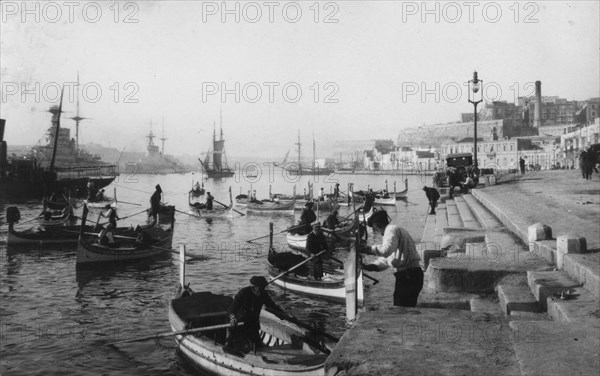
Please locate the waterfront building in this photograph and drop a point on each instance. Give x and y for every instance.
(573, 143)
(505, 154)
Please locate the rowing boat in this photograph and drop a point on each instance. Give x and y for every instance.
(271, 207)
(386, 200)
(330, 287)
(402, 194)
(197, 210)
(101, 204)
(144, 242)
(345, 231)
(287, 350)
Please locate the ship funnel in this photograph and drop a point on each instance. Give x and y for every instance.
(2, 125)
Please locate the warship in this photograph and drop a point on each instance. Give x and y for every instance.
(155, 161)
(58, 166)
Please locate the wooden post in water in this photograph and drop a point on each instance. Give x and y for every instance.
(270, 235)
(182, 265)
(351, 286)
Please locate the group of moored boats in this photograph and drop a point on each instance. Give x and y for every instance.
(199, 320)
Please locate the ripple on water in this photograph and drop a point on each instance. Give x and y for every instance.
(57, 319)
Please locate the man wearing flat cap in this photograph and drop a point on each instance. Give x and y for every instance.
(315, 243)
(399, 251)
(307, 217)
(246, 308)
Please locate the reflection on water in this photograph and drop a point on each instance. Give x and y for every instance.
(57, 319)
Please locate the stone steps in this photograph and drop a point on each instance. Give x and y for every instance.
(466, 215)
(585, 269)
(515, 297)
(441, 221)
(484, 216)
(454, 219)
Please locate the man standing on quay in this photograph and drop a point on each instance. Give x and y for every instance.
(398, 250)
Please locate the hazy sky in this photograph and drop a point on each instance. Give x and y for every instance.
(361, 66)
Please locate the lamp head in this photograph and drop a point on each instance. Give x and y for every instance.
(475, 87)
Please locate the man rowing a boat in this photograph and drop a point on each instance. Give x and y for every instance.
(246, 308)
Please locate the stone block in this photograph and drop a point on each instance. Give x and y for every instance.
(566, 244)
(539, 231)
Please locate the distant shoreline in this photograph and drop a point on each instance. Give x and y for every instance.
(385, 172)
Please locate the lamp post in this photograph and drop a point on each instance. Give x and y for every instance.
(474, 86)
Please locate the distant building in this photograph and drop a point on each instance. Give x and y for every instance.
(573, 143)
(502, 110)
(505, 154)
(435, 135)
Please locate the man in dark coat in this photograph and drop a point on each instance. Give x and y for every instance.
(316, 243)
(522, 166)
(433, 196)
(209, 201)
(453, 181)
(332, 220)
(307, 217)
(369, 200)
(246, 308)
(155, 201)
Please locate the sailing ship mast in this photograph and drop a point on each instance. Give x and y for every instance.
(299, 145)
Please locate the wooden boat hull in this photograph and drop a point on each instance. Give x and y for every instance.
(100, 204)
(364, 218)
(88, 252)
(215, 212)
(272, 207)
(331, 287)
(390, 201)
(206, 351)
(160, 242)
(203, 213)
(62, 235)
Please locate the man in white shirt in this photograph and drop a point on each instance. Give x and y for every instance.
(399, 251)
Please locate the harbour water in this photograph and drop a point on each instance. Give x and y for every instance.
(56, 319)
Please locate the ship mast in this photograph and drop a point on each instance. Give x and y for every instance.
(314, 152)
(163, 139)
(77, 119)
(55, 146)
(299, 145)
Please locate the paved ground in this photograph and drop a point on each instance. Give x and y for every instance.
(561, 199)
(394, 340)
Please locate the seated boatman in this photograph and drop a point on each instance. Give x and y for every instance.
(398, 250)
(246, 308)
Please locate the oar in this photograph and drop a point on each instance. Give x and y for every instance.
(296, 266)
(120, 219)
(280, 232)
(178, 332)
(182, 212)
(239, 212)
(348, 216)
(375, 281)
(294, 320)
(129, 203)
